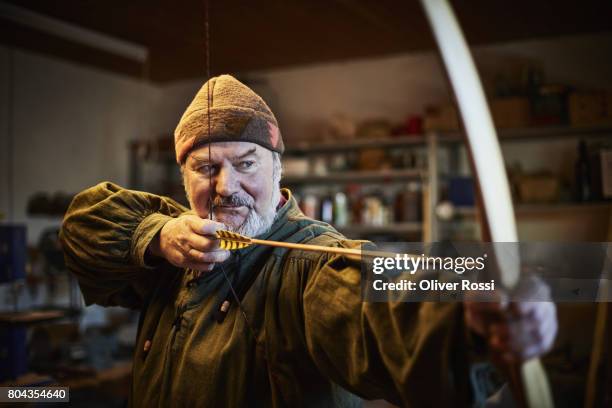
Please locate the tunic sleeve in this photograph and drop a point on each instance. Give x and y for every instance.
(105, 234)
(409, 353)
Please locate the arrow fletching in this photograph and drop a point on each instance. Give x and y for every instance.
(231, 240)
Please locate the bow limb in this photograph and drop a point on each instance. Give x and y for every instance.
(529, 382)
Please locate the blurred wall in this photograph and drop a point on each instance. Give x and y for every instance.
(70, 128)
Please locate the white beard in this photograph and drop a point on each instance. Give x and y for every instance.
(256, 224)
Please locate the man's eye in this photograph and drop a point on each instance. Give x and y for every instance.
(246, 164)
(205, 169)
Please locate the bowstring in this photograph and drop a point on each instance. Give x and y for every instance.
(210, 199)
(207, 41)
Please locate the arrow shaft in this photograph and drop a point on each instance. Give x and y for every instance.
(351, 252)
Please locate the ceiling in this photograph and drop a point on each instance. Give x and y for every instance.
(252, 35)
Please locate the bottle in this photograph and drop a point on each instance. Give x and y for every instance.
(408, 203)
(340, 209)
(373, 211)
(355, 203)
(583, 174)
(327, 209)
(386, 213)
(309, 205)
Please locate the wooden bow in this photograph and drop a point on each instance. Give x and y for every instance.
(528, 381)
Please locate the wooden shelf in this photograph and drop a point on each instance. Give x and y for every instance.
(538, 133)
(354, 144)
(535, 209)
(505, 135)
(395, 228)
(356, 177)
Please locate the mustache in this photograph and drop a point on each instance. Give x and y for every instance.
(234, 200)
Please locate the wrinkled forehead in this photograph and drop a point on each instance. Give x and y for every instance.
(219, 151)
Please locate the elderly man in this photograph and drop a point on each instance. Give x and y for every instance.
(291, 329)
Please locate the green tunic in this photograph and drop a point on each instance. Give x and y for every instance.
(307, 339)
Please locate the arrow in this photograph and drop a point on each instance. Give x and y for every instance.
(232, 241)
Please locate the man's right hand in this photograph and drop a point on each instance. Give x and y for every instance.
(189, 242)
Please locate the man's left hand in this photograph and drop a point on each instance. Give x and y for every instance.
(516, 331)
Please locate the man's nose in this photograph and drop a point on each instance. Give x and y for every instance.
(226, 183)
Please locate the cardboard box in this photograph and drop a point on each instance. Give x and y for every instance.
(538, 189)
(444, 117)
(510, 112)
(590, 108)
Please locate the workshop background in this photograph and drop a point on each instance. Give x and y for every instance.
(92, 90)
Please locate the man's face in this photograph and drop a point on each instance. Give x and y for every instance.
(238, 178)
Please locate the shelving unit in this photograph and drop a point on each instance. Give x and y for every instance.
(357, 177)
(355, 144)
(539, 133)
(397, 228)
(430, 177)
(533, 213)
(509, 134)
(414, 230)
(535, 209)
